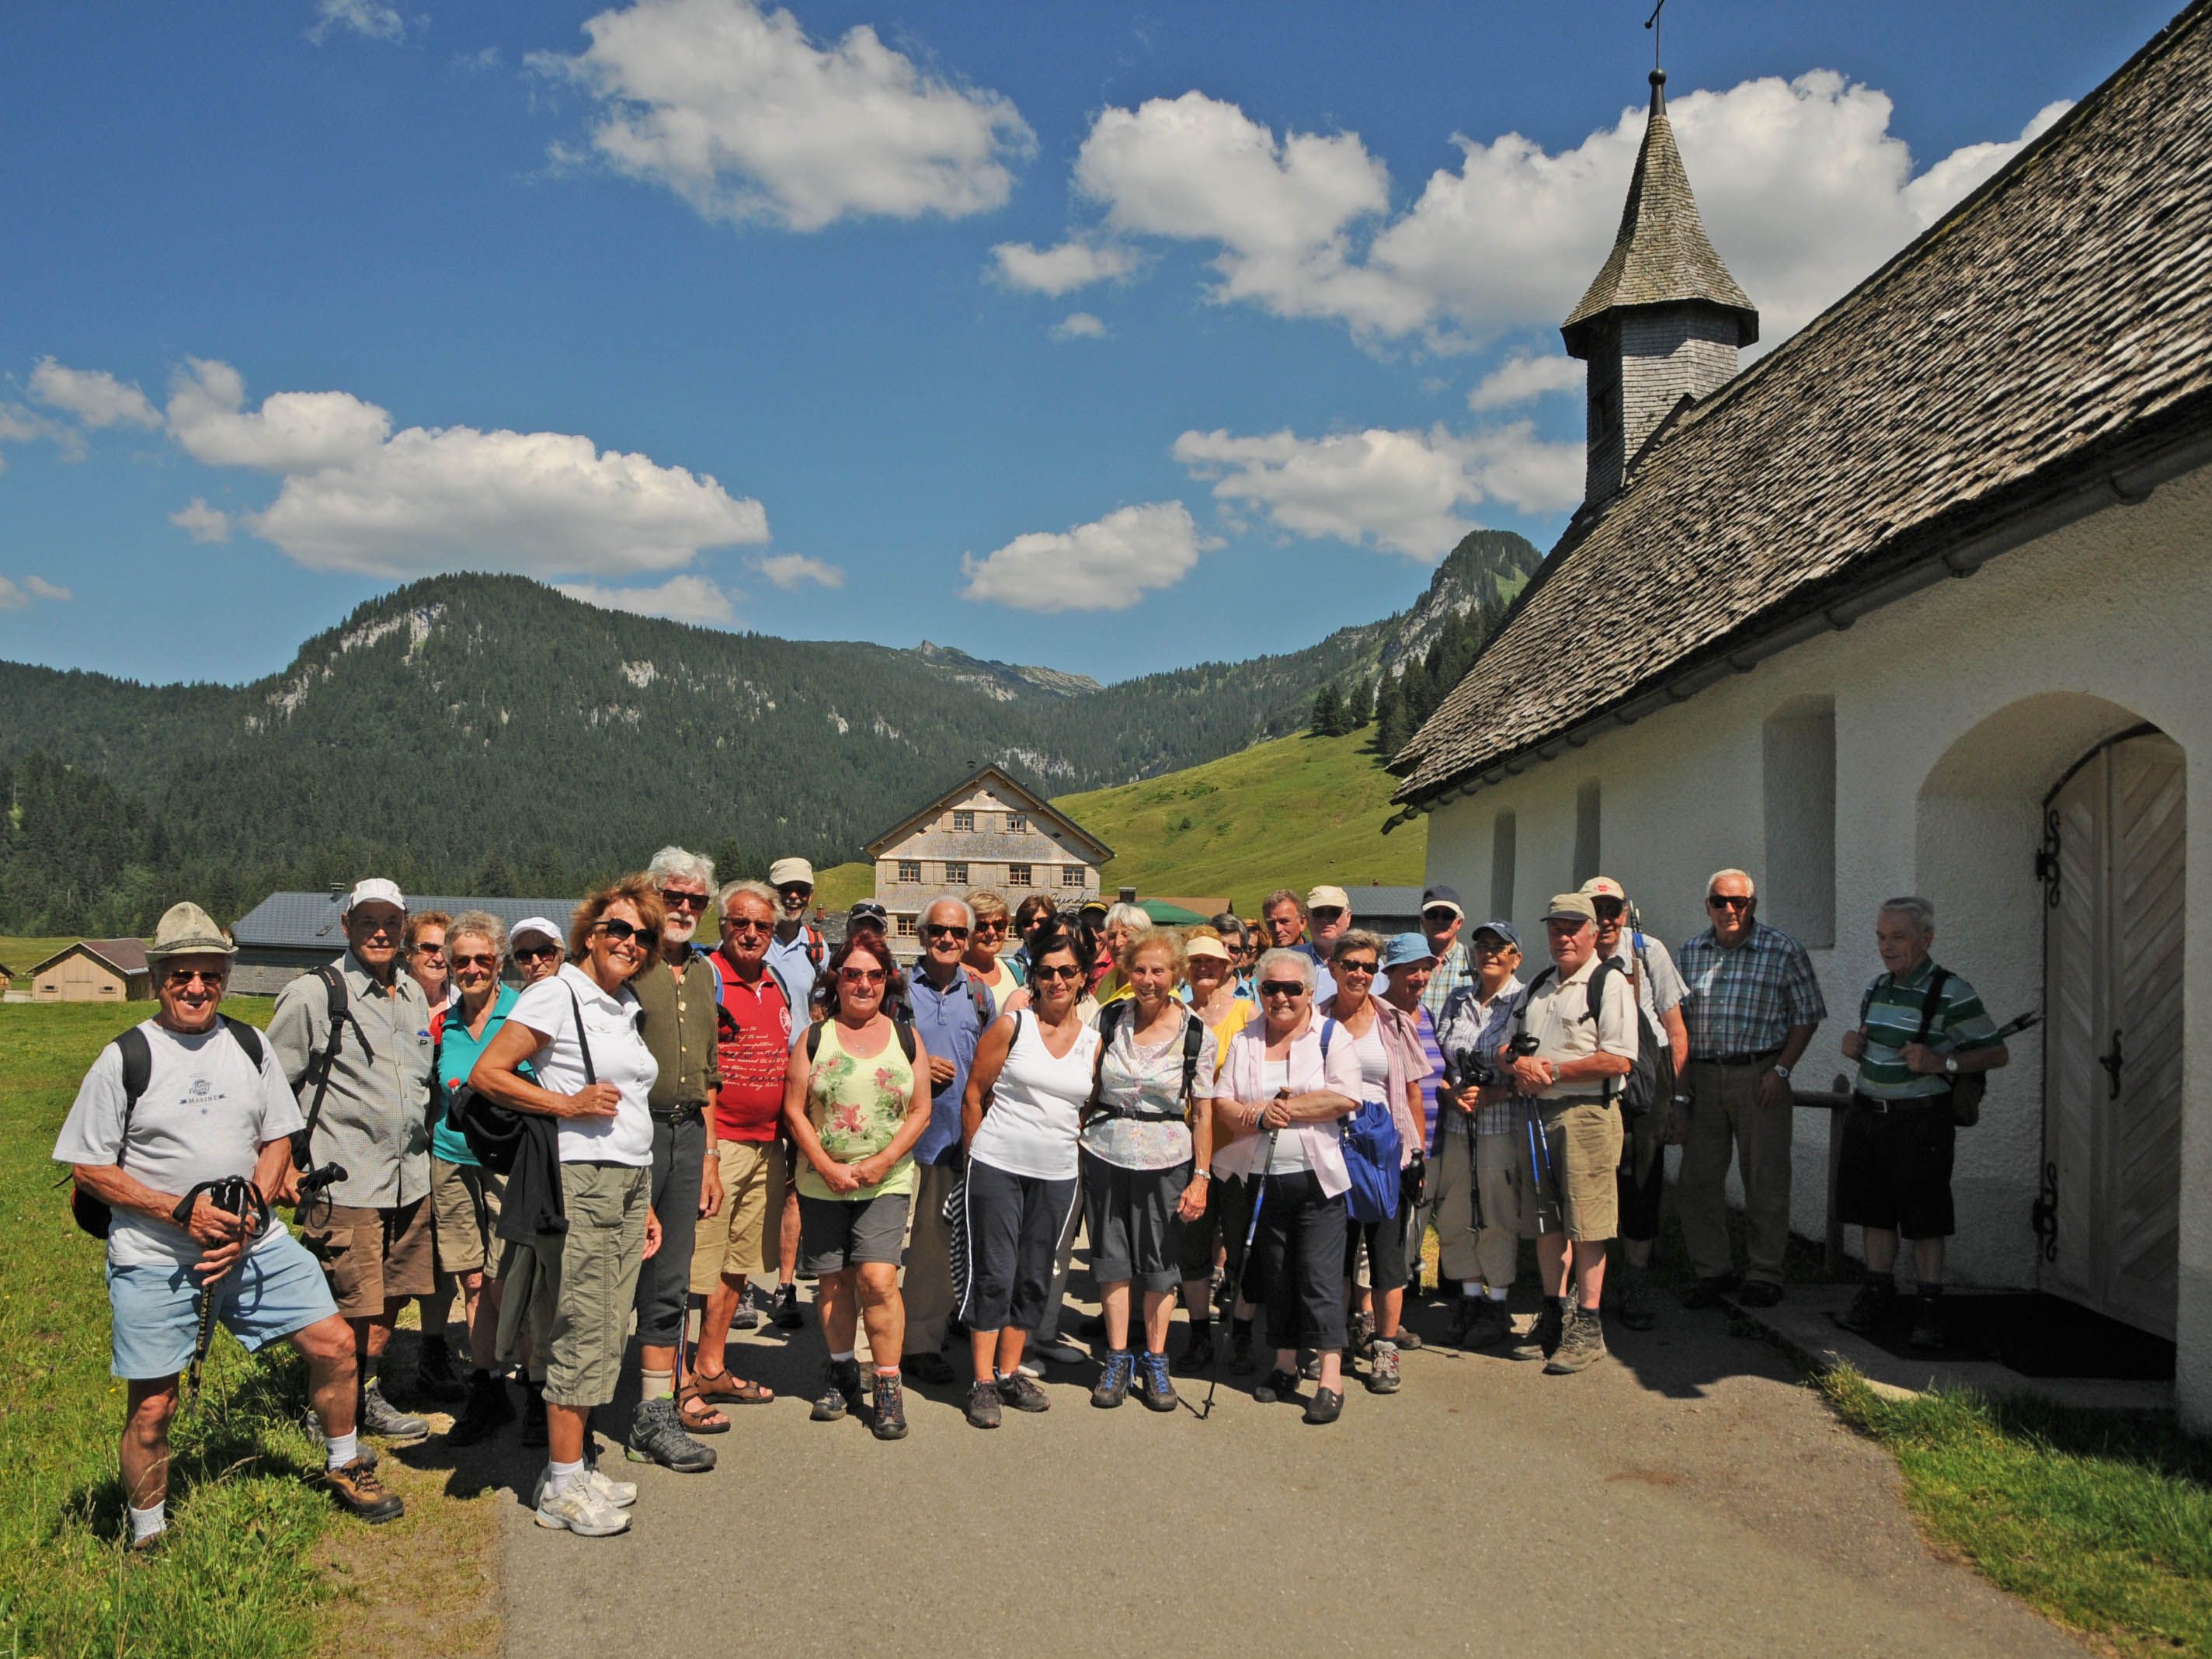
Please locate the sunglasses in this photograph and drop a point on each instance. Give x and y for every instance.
(1728, 902)
(1325, 913)
(1281, 987)
(487, 963)
(1440, 918)
(179, 979)
(427, 950)
(999, 926)
(943, 930)
(675, 900)
(746, 925)
(619, 930)
(797, 889)
(1608, 910)
(862, 975)
(1497, 948)
(535, 953)
(1044, 974)
(1366, 968)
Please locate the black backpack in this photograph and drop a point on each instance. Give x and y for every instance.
(1650, 1081)
(93, 1215)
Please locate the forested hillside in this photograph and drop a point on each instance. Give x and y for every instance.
(488, 735)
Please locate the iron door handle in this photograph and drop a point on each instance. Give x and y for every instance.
(2112, 1062)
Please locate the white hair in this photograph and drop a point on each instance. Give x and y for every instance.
(479, 924)
(1921, 911)
(1296, 962)
(1750, 887)
(1126, 915)
(967, 910)
(684, 866)
(757, 889)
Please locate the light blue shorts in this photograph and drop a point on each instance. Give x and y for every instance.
(275, 1290)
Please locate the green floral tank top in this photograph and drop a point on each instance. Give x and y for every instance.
(856, 1104)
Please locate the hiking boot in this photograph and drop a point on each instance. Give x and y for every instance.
(1871, 1309)
(1112, 1386)
(381, 1418)
(1491, 1326)
(841, 1390)
(1325, 1406)
(1760, 1293)
(1581, 1344)
(577, 1508)
(434, 1376)
(1383, 1377)
(1466, 1317)
(888, 1422)
(533, 1417)
(1408, 1341)
(1361, 1339)
(361, 1494)
(933, 1368)
(1634, 1308)
(1241, 1360)
(1158, 1393)
(1277, 1385)
(983, 1405)
(787, 1316)
(1197, 1356)
(1928, 1335)
(1707, 1292)
(146, 1548)
(1543, 1337)
(746, 1318)
(488, 1411)
(656, 1436)
(1023, 1394)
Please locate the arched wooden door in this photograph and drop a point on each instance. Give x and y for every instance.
(2113, 954)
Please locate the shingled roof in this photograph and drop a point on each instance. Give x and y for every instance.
(2049, 337)
(1662, 255)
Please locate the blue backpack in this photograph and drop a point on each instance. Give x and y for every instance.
(1371, 1150)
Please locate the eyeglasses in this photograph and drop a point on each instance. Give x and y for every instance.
(943, 930)
(535, 953)
(484, 962)
(746, 925)
(1608, 910)
(1727, 901)
(675, 900)
(181, 979)
(1363, 968)
(1042, 974)
(619, 930)
(863, 976)
(1281, 987)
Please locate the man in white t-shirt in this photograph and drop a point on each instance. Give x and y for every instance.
(175, 1105)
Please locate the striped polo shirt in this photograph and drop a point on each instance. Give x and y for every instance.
(1891, 1013)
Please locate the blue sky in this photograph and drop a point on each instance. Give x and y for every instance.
(1110, 337)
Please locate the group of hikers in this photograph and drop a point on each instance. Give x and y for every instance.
(615, 1130)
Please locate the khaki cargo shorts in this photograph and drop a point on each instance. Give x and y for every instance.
(374, 1256)
(734, 1241)
(1582, 1195)
(465, 1215)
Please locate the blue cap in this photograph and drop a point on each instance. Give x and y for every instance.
(1405, 948)
(1503, 929)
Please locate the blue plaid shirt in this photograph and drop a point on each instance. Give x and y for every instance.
(1743, 1001)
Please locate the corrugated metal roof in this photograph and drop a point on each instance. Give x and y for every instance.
(309, 922)
(126, 956)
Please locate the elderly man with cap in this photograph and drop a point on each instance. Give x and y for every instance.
(1442, 919)
(1283, 919)
(1643, 1175)
(180, 1136)
(799, 951)
(1571, 1037)
(1479, 1158)
(353, 1039)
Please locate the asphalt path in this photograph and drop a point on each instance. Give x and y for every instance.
(1689, 1496)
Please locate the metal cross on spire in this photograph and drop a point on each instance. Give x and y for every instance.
(1652, 23)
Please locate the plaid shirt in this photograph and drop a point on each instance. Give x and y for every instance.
(1471, 1024)
(1743, 1001)
(1452, 971)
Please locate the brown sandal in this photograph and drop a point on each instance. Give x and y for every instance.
(722, 1386)
(697, 1414)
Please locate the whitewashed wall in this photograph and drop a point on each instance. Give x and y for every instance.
(1956, 710)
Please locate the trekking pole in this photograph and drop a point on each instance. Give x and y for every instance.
(1243, 1264)
(236, 1195)
(1540, 1163)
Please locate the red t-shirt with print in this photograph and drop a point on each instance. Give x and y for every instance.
(752, 1025)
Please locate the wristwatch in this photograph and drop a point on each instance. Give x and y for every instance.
(1782, 1072)
(1951, 1064)
(1201, 1175)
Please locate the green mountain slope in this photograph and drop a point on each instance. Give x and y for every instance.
(1287, 813)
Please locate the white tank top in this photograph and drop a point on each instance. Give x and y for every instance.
(1289, 1156)
(1031, 1125)
(1374, 1063)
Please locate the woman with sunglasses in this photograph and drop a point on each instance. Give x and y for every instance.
(855, 1101)
(1020, 1123)
(1210, 987)
(425, 943)
(592, 1073)
(1288, 1079)
(535, 945)
(1001, 975)
(465, 1196)
(1392, 1064)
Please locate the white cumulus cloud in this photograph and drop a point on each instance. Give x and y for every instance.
(1803, 188)
(1078, 326)
(1523, 379)
(1106, 565)
(789, 571)
(680, 599)
(17, 595)
(738, 112)
(1063, 268)
(292, 431)
(93, 395)
(374, 19)
(1402, 492)
(201, 522)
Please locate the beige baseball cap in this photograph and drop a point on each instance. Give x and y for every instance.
(1603, 887)
(1326, 898)
(785, 872)
(185, 930)
(1571, 907)
(375, 890)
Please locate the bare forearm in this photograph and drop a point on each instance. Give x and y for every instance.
(120, 1189)
(509, 1087)
(1794, 1046)
(1322, 1106)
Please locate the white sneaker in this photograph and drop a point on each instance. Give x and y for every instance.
(577, 1508)
(616, 1494)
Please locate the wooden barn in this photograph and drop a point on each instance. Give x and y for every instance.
(94, 971)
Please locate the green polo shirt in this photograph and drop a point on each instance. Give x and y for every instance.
(1892, 1011)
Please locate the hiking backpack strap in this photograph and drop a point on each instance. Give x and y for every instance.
(583, 1042)
(1193, 1039)
(247, 1037)
(1109, 1025)
(322, 1063)
(1934, 1006)
(817, 948)
(980, 994)
(903, 1029)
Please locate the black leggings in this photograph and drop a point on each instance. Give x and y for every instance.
(1011, 1228)
(1298, 1265)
